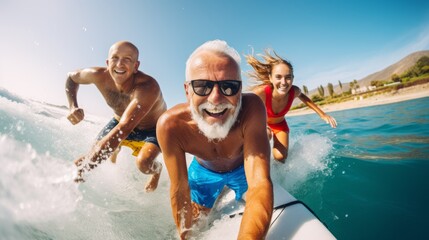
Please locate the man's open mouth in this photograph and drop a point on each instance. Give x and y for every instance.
(119, 71)
(215, 112)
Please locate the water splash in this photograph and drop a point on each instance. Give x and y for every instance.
(38, 198)
(34, 188)
(308, 154)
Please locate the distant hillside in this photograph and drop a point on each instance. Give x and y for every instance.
(397, 68)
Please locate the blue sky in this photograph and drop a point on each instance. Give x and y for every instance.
(326, 40)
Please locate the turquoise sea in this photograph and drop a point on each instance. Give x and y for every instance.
(365, 180)
(377, 186)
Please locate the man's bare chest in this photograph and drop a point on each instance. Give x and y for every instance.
(214, 151)
(116, 100)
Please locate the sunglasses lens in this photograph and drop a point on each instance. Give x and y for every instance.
(202, 87)
(227, 87)
(230, 87)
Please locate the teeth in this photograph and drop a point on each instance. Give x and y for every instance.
(119, 71)
(214, 111)
(282, 88)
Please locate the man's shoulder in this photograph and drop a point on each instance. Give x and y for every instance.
(95, 70)
(144, 77)
(251, 103)
(175, 116)
(250, 97)
(146, 81)
(178, 111)
(90, 74)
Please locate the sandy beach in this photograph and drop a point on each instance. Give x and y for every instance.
(403, 94)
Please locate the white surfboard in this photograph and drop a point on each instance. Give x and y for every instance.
(291, 218)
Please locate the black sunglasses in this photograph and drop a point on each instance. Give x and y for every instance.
(204, 87)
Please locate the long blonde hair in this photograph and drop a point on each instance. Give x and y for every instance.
(262, 70)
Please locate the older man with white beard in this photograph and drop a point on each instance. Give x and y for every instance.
(225, 132)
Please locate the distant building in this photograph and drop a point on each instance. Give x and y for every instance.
(391, 84)
(363, 89)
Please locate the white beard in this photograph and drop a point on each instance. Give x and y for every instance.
(214, 131)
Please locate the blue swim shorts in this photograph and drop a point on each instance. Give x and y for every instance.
(135, 139)
(206, 185)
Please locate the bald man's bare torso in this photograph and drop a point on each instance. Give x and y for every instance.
(140, 86)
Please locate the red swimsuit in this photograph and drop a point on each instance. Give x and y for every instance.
(281, 126)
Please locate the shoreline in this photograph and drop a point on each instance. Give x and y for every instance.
(404, 94)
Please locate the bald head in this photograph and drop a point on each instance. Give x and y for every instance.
(125, 45)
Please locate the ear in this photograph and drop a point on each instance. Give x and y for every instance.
(107, 62)
(188, 90)
(186, 86)
(136, 67)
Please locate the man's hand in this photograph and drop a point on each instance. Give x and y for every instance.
(76, 115)
(82, 167)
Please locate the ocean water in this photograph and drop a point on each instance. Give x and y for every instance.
(364, 180)
(377, 186)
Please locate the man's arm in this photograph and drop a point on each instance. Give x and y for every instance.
(175, 161)
(74, 79)
(140, 105)
(259, 196)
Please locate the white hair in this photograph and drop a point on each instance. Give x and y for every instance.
(218, 46)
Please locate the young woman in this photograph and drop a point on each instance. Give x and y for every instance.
(275, 77)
